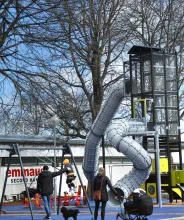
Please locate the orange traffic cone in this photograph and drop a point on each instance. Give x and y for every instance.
(26, 202)
(37, 201)
(77, 197)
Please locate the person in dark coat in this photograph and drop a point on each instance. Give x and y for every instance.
(104, 195)
(45, 187)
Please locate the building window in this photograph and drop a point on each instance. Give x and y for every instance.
(25, 161)
(107, 160)
(46, 160)
(116, 160)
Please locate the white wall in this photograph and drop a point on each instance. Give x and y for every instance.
(114, 172)
(15, 185)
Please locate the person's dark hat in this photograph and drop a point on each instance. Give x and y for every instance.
(45, 167)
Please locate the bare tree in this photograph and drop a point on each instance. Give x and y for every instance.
(17, 64)
(70, 44)
(66, 54)
(159, 24)
(87, 37)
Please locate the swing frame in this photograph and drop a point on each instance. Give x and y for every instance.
(14, 149)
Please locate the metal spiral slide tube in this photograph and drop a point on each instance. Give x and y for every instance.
(107, 111)
(118, 133)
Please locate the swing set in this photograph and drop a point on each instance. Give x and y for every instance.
(14, 149)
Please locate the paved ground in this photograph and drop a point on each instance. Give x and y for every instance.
(19, 212)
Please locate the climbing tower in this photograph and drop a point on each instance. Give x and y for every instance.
(153, 77)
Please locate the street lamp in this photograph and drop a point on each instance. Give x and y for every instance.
(55, 121)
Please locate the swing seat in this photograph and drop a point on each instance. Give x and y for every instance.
(71, 177)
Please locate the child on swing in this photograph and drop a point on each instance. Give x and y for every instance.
(68, 169)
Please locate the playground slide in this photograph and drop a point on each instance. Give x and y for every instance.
(118, 133)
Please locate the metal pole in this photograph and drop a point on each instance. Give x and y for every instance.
(55, 185)
(158, 166)
(103, 151)
(60, 184)
(23, 175)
